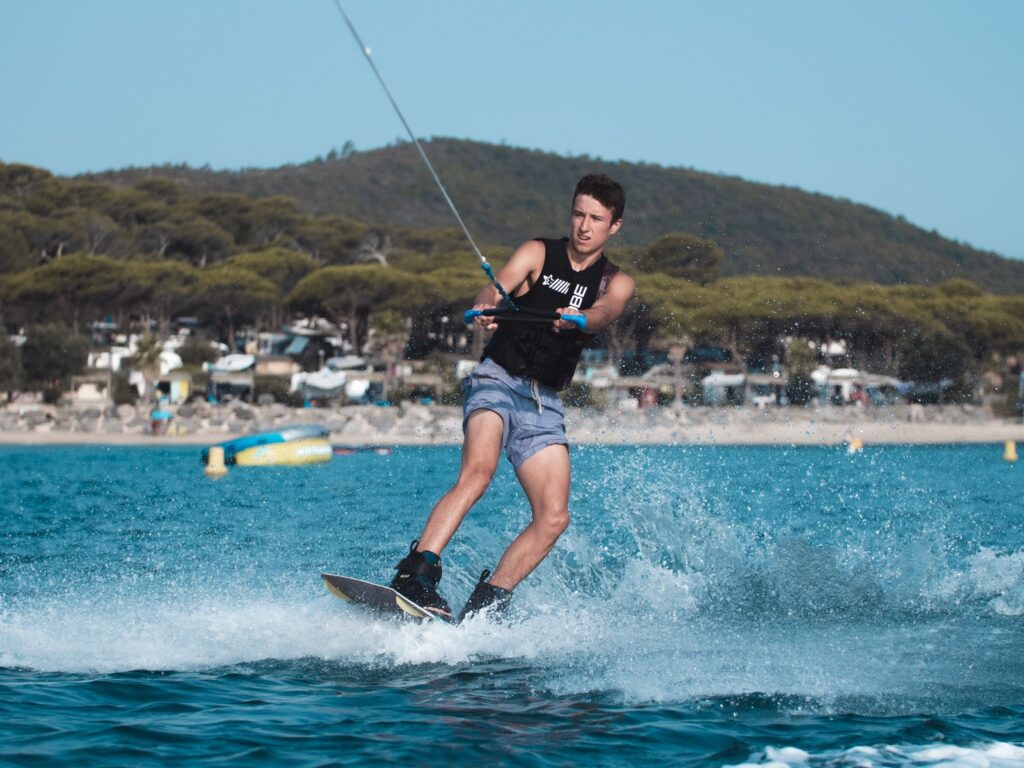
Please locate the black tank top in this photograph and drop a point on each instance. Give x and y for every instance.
(537, 351)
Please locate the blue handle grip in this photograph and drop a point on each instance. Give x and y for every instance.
(469, 314)
(580, 320)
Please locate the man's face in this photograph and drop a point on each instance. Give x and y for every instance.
(592, 225)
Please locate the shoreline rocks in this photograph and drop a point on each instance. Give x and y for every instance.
(416, 424)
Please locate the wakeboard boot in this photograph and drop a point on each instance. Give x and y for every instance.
(418, 575)
(485, 596)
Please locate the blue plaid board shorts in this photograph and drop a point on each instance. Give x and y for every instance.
(532, 413)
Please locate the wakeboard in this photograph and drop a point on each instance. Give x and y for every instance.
(378, 598)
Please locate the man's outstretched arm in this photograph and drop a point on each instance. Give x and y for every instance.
(524, 267)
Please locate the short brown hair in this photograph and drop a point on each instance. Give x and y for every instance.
(605, 190)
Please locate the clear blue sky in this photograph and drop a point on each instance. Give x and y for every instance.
(915, 107)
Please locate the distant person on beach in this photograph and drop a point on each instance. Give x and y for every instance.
(860, 397)
(510, 400)
(837, 395)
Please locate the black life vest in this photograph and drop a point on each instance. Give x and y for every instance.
(537, 351)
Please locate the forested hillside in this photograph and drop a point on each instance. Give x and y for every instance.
(76, 250)
(508, 194)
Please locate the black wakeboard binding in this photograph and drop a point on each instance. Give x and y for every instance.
(486, 596)
(417, 580)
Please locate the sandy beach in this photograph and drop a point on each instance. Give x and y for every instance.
(414, 424)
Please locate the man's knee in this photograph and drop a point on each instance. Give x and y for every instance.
(555, 521)
(477, 475)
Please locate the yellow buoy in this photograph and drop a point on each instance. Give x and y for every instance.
(1010, 451)
(215, 468)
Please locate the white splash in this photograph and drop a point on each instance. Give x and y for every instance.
(992, 755)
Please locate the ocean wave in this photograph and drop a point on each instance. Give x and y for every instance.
(675, 583)
(991, 755)
(635, 645)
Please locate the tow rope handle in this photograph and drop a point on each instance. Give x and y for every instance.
(524, 315)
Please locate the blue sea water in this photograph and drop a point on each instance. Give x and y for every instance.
(708, 606)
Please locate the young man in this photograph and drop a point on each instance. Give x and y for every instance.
(511, 402)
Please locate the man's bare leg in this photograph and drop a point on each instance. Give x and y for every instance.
(481, 449)
(545, 478)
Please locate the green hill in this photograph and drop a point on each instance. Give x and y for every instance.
(507, 194)
(232, 251)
